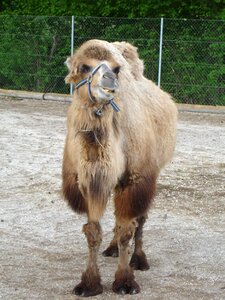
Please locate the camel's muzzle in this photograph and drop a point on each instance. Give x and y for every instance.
(109, 83)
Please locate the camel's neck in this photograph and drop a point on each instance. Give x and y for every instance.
(100, 119)
(95, 132)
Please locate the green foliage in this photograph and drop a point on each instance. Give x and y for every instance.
(33, 50)
(193, 61)
(118, 8)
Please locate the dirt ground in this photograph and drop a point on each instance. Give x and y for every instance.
(42, 249)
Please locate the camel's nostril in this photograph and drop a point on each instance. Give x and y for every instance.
(109, 82)
(109, 75)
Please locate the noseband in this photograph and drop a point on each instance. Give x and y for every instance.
(88, 81)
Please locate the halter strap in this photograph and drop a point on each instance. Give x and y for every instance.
(88, 81)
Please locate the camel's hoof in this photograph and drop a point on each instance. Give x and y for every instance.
(83, 290)
(112, 250)
(123, 288)
(139, 262)
(124, 282)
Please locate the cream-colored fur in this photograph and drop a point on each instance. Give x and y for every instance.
(146, 124)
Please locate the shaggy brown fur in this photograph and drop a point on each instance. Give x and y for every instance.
(117, 152)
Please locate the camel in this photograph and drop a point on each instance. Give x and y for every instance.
(121, 132)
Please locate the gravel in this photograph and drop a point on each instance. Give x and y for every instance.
(43, 250)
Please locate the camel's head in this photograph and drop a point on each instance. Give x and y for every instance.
(94, 72)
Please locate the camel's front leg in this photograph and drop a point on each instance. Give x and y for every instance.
(90, 284)
(124, 278)
(131, 202)
(138, 259)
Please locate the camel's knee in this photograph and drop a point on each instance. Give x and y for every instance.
(125, 233)
(93, 233)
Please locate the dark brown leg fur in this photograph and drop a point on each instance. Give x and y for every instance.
(138, 259)
(90, 284)
(124, 282)
(134, 197)
(112, 250)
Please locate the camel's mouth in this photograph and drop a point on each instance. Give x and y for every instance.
(108, 90)
(104, 93)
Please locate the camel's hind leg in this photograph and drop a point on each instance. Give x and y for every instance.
(138, 259)
(112, 249)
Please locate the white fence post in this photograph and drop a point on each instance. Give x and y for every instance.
(72, 47)
(160, 52)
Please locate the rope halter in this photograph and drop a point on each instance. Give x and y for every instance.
(88, 81)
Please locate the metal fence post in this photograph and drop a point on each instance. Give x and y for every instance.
(160, 52)
(72, 47)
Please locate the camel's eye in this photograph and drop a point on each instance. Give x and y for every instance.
(84, 69)
(116, 70)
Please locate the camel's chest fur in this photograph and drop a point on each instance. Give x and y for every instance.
(95, 144)
(101, 163)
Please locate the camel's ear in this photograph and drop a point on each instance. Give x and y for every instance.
(72, 76)
(68, 63)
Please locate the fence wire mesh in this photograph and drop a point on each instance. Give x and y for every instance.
(33, 51)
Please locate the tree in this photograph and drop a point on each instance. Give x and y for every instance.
(213, 9)
(33, 51)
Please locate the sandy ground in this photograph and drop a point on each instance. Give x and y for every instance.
(42, 249)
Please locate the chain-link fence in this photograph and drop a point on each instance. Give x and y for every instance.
(192, 65)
